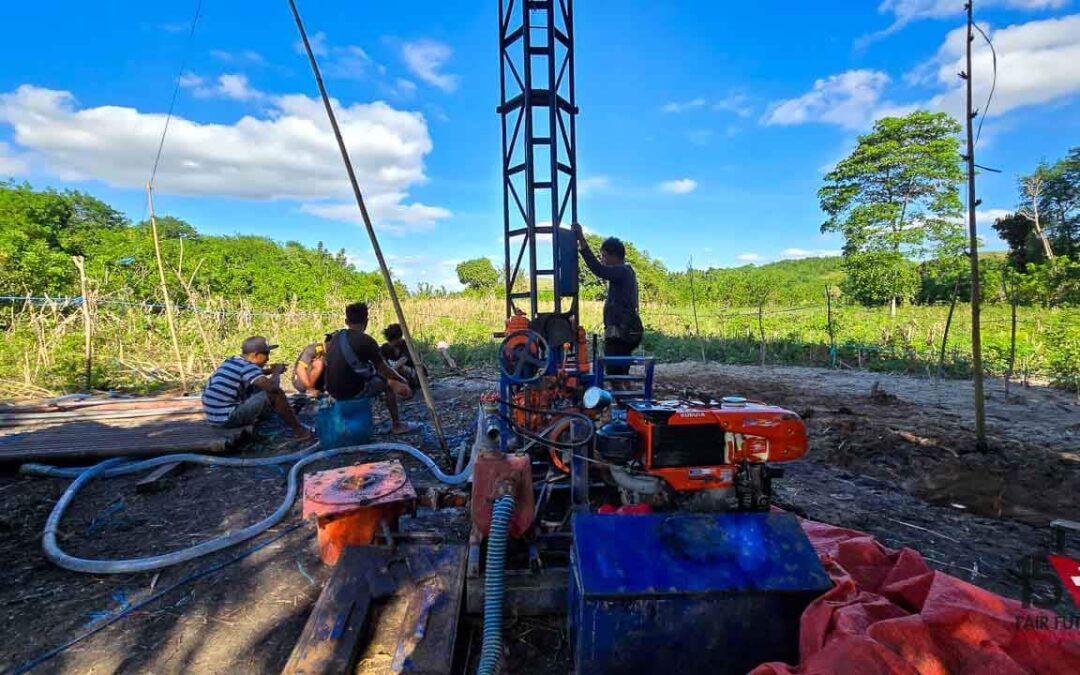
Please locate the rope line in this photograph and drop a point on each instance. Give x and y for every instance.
(176, 91)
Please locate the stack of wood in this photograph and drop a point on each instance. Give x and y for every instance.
(103, 426)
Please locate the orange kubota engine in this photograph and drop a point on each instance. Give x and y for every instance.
(700, 456)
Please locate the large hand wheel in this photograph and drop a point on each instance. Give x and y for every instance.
(524, 356)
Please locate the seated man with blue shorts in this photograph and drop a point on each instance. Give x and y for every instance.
(240, 391)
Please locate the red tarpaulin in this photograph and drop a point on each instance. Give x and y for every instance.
(890, 613)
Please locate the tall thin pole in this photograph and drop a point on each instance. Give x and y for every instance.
(80, 263)
(693, 305)
(976, 337)
(169, 311)
(387, 279)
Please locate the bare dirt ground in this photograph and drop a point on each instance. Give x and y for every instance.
(895, 459)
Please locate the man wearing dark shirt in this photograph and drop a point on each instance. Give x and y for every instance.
(396, 354)
(622, 325)
(368, 375)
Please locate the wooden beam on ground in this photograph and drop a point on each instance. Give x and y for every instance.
(330, 640)
(415, 630)
(152, 482)
(99, 439)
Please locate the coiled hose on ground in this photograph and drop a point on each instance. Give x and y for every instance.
(494, 588)
(119, 467)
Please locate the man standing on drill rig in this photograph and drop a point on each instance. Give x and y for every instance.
(622, 323)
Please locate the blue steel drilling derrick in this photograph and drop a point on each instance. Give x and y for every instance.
(539, 162)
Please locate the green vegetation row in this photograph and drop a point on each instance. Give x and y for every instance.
(41, 352)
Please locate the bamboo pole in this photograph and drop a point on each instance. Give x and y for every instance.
(693, 304)
(976, 328)
(165, 288)
(80, 263)
(413, 353)
(832, 335)
(945, 333)
(761, 327)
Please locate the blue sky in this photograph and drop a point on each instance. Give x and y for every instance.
(705, 127)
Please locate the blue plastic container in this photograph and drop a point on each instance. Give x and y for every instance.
(689, 593)
(344, 423)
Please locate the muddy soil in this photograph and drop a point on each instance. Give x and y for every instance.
(896, 459)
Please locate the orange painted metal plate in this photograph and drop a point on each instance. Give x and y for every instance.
(353, 502)
(338, 491)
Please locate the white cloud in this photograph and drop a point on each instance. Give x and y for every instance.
(287, 153)
(907, 11)
(10, 163)
(989, 216)
(676, 106)
(413, 270)
(403, 87)
(426, 59)
(317, 42)
(593, 184)
(798, 253)
(387, 211)
(189, 79)
(233, 86)
(348, 63)
(246, 56)
(237, 87)
(849, 99)
(679, 187)
(748, 257)
(1038, 62)
(735, 103)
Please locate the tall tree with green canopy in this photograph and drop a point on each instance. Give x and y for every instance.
(478, 274)
(894, 197)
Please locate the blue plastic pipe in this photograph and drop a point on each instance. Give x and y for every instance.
(494, 586)
(117, 467)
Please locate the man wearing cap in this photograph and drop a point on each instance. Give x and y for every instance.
(355, 368)
(240, 391)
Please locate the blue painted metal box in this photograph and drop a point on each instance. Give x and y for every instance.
(689, 593)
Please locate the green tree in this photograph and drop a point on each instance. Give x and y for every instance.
(1057, 202)
(41, 230)
(478, 274)
(896, 197)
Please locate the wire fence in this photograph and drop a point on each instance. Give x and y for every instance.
(54, 344)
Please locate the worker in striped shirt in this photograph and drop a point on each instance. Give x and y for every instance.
(243, 389)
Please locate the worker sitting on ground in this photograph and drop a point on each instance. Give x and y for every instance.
(622, 324)
(396, 353)
(309, 375)
(356, 369)
(243, 389)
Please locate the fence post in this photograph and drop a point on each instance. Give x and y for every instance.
(945, 334)
(761, 327)
(832, 335)
(80, 264)
(1011, 295)
(693, 305)
(165, 288)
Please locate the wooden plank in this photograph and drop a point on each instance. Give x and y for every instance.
(30, 419)
(328, 644)
(152, 481)
(93, 439)
(407, 627)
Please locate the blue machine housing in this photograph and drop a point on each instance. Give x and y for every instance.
(690, 593)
